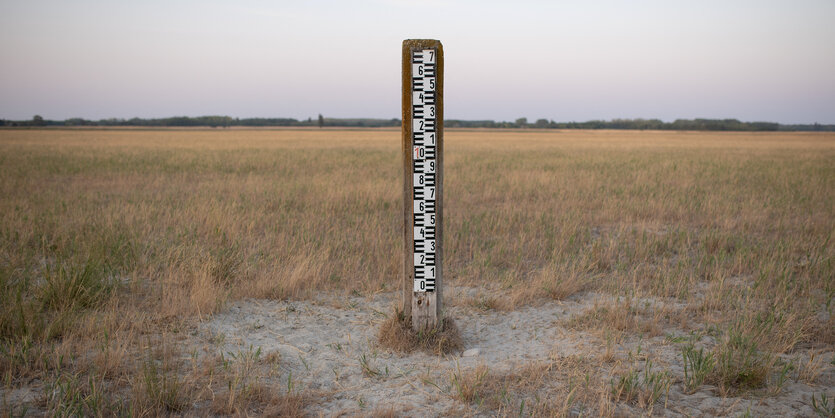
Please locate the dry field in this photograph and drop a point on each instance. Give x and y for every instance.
(246, 272)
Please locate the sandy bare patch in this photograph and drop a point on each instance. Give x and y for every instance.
(330, 346)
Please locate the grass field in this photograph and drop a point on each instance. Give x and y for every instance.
(115, 243)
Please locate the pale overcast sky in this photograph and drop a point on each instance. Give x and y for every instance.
(561, 60)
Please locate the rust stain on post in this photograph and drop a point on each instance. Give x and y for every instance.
(423, 307)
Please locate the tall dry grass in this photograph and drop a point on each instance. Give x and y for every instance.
(158, 227)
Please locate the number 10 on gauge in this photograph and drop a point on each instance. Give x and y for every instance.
(424, 167)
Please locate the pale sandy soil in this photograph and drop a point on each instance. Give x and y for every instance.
(321, 344)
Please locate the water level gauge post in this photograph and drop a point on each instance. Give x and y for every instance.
(422, 143)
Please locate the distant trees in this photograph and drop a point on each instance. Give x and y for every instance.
(218, 121)
(78, 122)
(454, 123)
(678, 125)
(632, 124)
(722, 125)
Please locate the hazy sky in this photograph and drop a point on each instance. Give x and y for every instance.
(560, 60)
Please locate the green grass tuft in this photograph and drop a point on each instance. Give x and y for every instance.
(69, 286)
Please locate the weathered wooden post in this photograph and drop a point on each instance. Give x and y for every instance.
(423, 179)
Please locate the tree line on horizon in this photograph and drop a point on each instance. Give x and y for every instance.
(521, 123)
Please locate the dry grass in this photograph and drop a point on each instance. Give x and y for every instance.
(561, 386)
(809, 369)
(109, 235)
(551, 281)
(624, 316)
(388, 412)
(396, 334)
